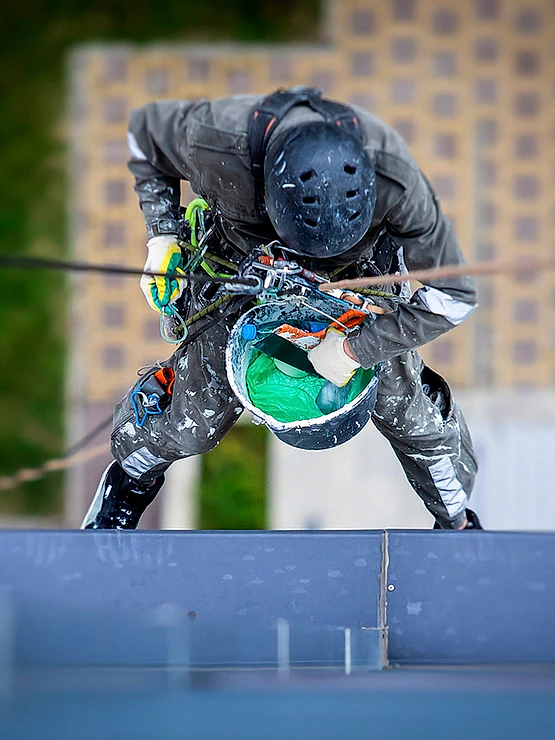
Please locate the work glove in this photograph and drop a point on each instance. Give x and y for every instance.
(330, 360)
(164, 255)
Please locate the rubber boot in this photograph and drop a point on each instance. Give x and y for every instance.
(472, 523)
(120, 500)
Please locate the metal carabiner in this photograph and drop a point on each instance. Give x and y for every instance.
(244, 288)
(173, 328)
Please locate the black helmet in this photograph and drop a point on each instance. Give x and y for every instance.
(320, 189)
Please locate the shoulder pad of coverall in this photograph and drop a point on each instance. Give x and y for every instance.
(395, 168)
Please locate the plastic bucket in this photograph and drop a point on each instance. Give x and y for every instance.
(320, 433)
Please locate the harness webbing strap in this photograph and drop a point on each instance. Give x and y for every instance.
(273, 108)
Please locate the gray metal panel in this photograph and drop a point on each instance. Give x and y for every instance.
(471, 597)
(206, 597)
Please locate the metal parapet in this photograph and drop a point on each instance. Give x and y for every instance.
(218, 598)
(250, 635)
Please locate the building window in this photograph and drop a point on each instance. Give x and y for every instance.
(487, 172)
(486, 295)
(486, 49)
(199, 69)
(485, 91)
(528, 276)
(486, 250)
(112, 356)
(444, 64)
(403, 49)
(113, 315)
(362, 22)
(403, 91)
(525, 352)
(280, 67)
(527, 22)
(406, 128)
(321, 78)
(444, 105)
(443, 351)
(157, 81)
(486, 10)
(363, 99)
(444, 145)
(486, 131)
(239, 81)
(113, 282)
(404, 10)
(487, 214)
(525, 311)
(526, 146)
(526, 228)
(114, 233)
(526, 104)
(527, 63)
(526, 187)
(115, 69)
(115, 110)
(115, 151)
(114, 192)
(151, 330)
(444, 186)
(362, 64)
(446, 22)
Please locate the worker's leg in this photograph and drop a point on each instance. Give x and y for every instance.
(416, 412)
(201, 411)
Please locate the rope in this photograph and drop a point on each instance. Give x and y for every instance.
(41, 263)
(478, 268)
(31, 474)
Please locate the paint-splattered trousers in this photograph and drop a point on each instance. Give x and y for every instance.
(429, 437)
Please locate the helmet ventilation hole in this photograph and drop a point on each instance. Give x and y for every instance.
(309, 199)
(350, 169)
(354, 215)
(352, 193)
(306, 175)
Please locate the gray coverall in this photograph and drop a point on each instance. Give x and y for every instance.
(206, 143)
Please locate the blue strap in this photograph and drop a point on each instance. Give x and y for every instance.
(150, 405)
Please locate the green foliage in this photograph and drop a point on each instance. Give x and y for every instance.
(36, 37)
(233, 481)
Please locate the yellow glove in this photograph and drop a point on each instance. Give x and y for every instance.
(164, 255)
(330, 360)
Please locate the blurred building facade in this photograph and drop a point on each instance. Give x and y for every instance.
(470, 86)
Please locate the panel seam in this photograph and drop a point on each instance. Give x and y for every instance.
(383, 594)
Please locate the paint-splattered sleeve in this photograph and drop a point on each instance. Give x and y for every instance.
(418, 224)
(156, 139)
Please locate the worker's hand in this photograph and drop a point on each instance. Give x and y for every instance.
(164, 255)
(331, 360)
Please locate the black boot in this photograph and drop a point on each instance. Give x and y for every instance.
(472, 521)
(120, 500)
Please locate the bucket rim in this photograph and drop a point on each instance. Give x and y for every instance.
(270, 421)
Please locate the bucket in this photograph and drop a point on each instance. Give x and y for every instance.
(318, 433)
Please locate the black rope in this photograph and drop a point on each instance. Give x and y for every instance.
(78, 446)
(41, 263)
